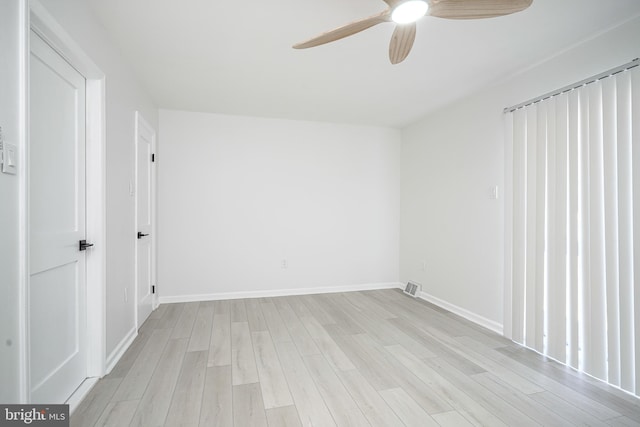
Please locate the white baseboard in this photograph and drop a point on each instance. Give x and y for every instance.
(80, 393)
(278, 292)
(463, 312)
(120, 349)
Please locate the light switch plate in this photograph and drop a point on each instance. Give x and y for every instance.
(493, 193)
(8, 156)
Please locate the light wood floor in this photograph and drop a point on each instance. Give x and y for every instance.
(373, 358)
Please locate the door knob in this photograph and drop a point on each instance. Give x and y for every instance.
(83, 245)
(141, 234)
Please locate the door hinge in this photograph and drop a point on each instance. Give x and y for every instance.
(153, 158)
(153, 289)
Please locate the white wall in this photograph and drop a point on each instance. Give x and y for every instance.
(239, 194)
(123, 97)
(11, 28)
(451, 159)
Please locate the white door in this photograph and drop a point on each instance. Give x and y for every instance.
(145, 265)
(57, 266)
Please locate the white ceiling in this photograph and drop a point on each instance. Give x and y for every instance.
(235, 57)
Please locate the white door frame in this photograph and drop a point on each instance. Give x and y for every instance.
(140, 121)
(43, 24)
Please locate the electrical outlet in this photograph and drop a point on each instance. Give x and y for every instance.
(283, 264)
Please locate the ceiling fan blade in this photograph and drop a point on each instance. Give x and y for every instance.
(393, 3)
(345, 30)
(475, 9)
(401, 42)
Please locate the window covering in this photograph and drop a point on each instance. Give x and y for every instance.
(573, 227)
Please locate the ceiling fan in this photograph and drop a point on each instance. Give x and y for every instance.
(405, 13)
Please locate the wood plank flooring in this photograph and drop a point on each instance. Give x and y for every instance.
(373, 358)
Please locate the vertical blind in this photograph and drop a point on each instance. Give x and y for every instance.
(573, 228)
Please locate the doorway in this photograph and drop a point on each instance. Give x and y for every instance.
(145, 219)
(62, 202)
(57, 224)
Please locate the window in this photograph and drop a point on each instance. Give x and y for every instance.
(573, 227)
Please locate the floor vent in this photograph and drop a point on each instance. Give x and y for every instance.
(412, 289)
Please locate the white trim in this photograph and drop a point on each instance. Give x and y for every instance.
(96, 229)
(38, 19)
(56, 36)
(80, 393)
(279, 292)
(23, 219)
(463, 312)
(120, 349)
(154, 219)
(140, 122)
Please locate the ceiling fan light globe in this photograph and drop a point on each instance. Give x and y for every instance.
(409, 11)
